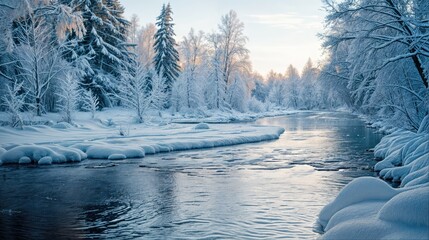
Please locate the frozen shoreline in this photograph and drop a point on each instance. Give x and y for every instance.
(368, 208)
(113, 136)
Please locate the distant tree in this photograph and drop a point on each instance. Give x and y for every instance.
(229, 56)
(277, 94)
(309, 93)
(193, 51)
(133, 31)
(215, 91)
(238, 94)
(145, 49)
(133, 95)
(166, 56)
(68, 97)
(292, 87)
(90, 102)
(260, 92)
(232, 43)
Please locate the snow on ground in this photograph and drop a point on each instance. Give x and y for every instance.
(369, 208)
(113, 135)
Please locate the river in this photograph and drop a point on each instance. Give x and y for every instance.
(266, 190)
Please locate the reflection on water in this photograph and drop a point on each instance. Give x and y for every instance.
(265, 190)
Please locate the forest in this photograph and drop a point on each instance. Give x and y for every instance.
(79, 55)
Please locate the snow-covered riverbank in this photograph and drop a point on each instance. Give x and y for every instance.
(369, 208)
(113, 135)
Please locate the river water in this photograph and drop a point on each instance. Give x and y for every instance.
(252, 191)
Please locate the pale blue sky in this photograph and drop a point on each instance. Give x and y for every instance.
(280, 32)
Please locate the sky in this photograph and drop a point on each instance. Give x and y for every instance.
(280, 32)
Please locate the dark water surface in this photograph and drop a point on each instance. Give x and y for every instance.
(265, 190)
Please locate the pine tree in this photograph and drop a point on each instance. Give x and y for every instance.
(166, 57)
(105, 58)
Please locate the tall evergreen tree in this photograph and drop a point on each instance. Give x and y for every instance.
(166, 56)
(105, 58)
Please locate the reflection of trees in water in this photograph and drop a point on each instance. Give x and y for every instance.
(164, 203)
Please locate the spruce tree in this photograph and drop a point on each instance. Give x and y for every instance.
(166, 56)
(104, 58)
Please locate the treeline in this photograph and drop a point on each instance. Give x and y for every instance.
(67, 55)
(379, 54)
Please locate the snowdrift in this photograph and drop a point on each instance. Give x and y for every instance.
(369, 208)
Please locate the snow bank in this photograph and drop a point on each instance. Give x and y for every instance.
(108, 151)
(389, 214)
(105, 143)
(369, 208)
(34, 153)
(403, 154)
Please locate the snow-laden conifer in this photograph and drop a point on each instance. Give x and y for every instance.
(166, 56)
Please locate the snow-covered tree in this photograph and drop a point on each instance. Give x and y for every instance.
(193, 51)
(90, 102)
(133, 94)
(145, 49)
(385, 45)
(238, 94)
(105, 58)
(133, 30)
(14, 102)
(277, 94)
(309, 92)
(68, 97)
(215, 91)
(33, 45)
(232, 43)
(166, 56)
(38, 57)
(158, 95)
(260, 89)
(292, 79)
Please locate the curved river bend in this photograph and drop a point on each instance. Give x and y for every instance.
(251, 191)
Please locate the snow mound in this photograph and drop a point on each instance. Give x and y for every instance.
(354, 193)
(24, 160)
(368, 208)
(117, 157)
(404, 154)
(200, 126)
(104, 151)
(35, 153)
(45, 161)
